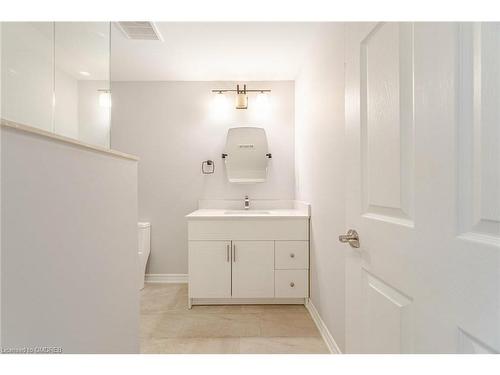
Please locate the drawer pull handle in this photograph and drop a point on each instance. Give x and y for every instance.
(292, 255)
(292, 284)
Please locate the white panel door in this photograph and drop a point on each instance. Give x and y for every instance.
(253, 269)
(423, 187)
(209, 269)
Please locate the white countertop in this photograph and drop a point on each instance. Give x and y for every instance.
(210, 213)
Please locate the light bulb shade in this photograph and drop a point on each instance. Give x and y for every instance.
(220, 107)
(220, 100)
(262, 100)
(105, 99)
(241, 101)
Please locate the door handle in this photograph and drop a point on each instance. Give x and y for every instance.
(234, 253)
(351, 237)
(227, 253)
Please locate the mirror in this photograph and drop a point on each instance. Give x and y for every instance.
(82, 90)
(246, 155)
(55, 76)
(27, 73)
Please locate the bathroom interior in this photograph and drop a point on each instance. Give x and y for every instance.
(250, 187)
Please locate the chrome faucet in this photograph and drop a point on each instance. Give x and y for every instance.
(247, 202)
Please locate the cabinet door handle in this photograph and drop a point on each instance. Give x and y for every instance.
(227, 253)
(234, 253)
(292, 255)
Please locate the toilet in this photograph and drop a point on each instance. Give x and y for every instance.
(144, 237)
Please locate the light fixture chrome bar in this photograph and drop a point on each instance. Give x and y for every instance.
(229, 90)
(241, 94)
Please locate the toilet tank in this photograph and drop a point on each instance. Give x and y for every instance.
(144, 230)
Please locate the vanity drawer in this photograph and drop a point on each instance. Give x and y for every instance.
(291, 283)
(291, 255)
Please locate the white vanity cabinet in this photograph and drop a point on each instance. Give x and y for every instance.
(210, 269)
(253, 269)
(250, 260)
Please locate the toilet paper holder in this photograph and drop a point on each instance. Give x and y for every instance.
(207, 167)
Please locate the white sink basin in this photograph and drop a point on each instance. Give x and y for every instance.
(246, 212)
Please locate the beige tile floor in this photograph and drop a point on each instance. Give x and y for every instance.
(168, 326)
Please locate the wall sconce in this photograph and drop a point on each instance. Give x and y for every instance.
(104, 98)
(241, 95)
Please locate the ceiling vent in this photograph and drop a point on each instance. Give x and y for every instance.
(140, 30)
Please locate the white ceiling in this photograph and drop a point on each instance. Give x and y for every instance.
(213, 52)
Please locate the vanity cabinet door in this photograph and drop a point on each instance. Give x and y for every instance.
(253, 269)
(210, 269)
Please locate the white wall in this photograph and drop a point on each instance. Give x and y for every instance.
(69, 247)
(0, 189)
(173, 127)
(319, 158)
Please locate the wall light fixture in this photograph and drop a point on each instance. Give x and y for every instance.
(241, 95)
(104, 98)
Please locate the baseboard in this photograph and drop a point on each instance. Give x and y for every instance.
(325, 333)
(173, 278)
(247, 301)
